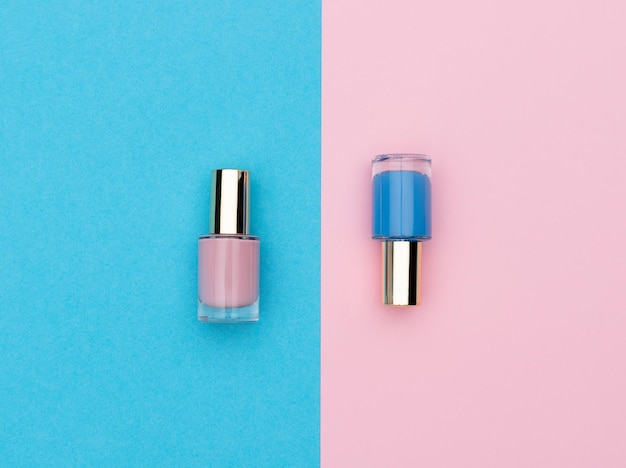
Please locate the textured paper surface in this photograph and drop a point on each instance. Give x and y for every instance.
(516, 357)
(112, 116)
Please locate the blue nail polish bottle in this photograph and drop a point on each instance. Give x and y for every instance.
(401, 219)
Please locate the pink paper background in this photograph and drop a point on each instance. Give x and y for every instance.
(517, 357)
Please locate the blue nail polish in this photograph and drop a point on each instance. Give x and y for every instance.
(401, 218)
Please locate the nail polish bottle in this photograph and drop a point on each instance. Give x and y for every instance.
(401, 219)
(228, 257)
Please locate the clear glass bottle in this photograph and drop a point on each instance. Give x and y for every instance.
(228, 257)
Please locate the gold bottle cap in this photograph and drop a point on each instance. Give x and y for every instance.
(229, 202)
(401, 272)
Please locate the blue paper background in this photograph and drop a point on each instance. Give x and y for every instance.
(112, 115)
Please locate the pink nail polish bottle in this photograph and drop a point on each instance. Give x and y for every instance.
(228, 257)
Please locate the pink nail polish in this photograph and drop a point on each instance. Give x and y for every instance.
(228, 257)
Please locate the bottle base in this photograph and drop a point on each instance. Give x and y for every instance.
(248, 313)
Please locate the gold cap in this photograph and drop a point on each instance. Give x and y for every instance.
(401, 272)
(229, 202)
